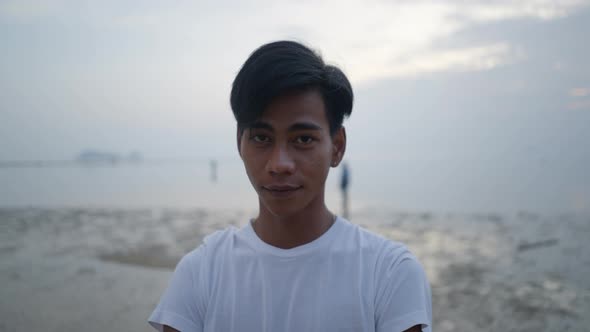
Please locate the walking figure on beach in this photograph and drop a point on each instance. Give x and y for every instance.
(344, 182)
(213, 170)
(295, 266)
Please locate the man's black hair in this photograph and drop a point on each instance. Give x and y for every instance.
(282, 67)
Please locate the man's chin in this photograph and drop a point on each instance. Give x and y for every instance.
(281, 209)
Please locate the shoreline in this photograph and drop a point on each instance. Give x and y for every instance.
(94, 269)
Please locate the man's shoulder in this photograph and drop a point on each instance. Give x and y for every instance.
(372, 243)
(219, 237)
(212, 243)
(391, 261)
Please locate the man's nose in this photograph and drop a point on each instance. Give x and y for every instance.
(280, 161)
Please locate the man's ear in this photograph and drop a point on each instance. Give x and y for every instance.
(338, 146)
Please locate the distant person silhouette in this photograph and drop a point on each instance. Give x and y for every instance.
(213, 170)
(344, 182)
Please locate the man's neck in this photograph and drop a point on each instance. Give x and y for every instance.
(291, 231)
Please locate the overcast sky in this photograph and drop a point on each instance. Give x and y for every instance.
(433, 79)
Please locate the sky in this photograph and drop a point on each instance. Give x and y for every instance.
(474, 87)
(155, 76)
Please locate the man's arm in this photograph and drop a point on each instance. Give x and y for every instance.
(179, 305)
(169, 329)
(403, 301)
(415, 328)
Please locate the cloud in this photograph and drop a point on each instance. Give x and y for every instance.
(580, 92)
(369, 39)
(501, 10)
(375, 40)
(579, 100)
(462, 59)
(579, 105)
(27, 10)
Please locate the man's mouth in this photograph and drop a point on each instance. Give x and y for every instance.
(281, 190)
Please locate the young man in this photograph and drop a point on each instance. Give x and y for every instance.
(296, 266)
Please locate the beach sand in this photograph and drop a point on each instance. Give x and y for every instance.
(105, 269)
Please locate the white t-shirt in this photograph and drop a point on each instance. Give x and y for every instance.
(349, 279)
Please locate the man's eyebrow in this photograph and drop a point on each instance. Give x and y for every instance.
(294, 127)
(260, 125)
(304, 126)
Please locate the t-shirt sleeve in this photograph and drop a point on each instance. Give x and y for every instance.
(180, 306)
(403, 297)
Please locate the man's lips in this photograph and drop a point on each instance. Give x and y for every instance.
(281, 187)
(281, 191)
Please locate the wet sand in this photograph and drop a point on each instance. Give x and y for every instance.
(101, 269)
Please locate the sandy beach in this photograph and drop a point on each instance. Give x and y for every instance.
(104, 269)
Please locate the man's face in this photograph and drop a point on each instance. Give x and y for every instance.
(288, 153)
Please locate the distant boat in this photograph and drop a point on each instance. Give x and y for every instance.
(97, 157)
(134, 157)
(93, 157)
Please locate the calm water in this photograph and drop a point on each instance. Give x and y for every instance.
(425, 185)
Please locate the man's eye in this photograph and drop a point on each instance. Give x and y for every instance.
(260, 138)
(304, 139)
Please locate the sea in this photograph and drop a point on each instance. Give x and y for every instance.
(400, 185)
